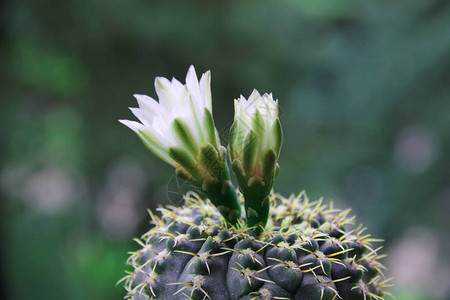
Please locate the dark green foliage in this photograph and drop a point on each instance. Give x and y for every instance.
(191, 254)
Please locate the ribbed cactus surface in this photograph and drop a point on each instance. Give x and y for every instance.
(308, 251)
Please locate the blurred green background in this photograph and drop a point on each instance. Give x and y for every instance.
(364, 89)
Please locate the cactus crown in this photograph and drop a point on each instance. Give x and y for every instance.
(180, 130)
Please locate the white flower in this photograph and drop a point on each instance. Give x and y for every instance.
(179, 128)
(256, 132)
(245, 110)
(180, 122)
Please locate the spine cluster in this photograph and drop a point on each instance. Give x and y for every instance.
(308, 251)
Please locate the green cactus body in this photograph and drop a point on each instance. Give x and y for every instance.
(306, 252)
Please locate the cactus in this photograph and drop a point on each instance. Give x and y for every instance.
(276, 248)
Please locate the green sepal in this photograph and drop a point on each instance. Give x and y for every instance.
(209, 183)
(229, 192)
(268, 165)
(239, 172)
(183, 174)
(222, 153)
(210, 129)
(196, 118)
(153, 145)
(258, 124)
(187, 162)
(233, 139)
(209, 159)
(255, 182)
(185, 135)
(277, 135)
(250, 153)
(223, 156)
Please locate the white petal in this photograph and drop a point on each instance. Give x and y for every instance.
(254, 95)
(205, 89)
(133, 125)
(148, 103)
(144, 116)
(271, 107)
(167, 96)
(193, 87)
(177, 85)
(160, 126)
(175, 100)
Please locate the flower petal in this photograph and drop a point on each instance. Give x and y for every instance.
(181, 118)
(193, 87)
(148, 104)
(133, 125)
(167, 96)
(205, 89)
(144, 116)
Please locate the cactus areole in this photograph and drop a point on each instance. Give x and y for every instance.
(228, 243)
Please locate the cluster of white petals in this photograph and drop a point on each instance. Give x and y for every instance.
(258, 115)
(267, 107)
(186, 103)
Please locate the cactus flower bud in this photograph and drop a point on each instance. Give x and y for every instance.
(255, 144)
